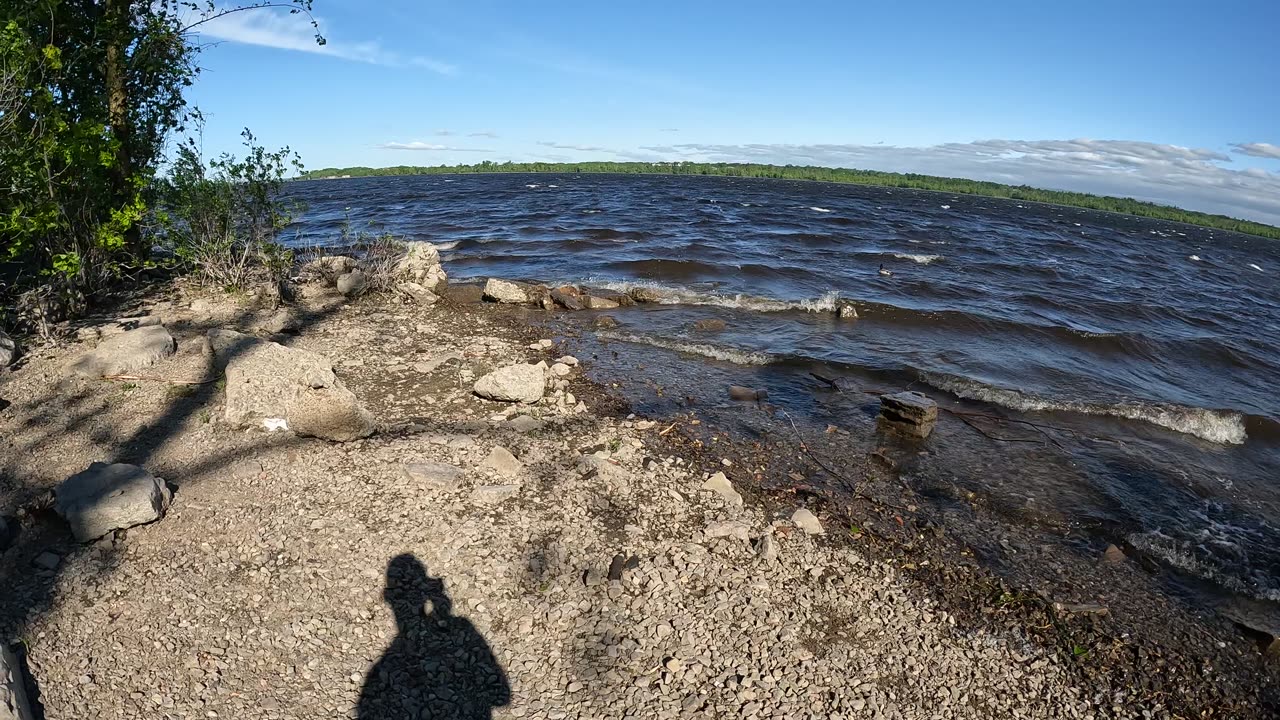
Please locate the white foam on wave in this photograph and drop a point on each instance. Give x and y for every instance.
(682, 296)
(1216, 426)
(590, 212)
(1183, 555)
(819, 209)
(1194, 257)
(451, 245)
(532, 185)
(1255, 267)
(921, 259)
(946, 207)
(737, 357)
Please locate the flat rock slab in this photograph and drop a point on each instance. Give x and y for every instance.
(728, 528)
(501, 460)
(910, 412)
(514, 383)
(266, 380)
(807, 521)
(493, 494)
(720, 485)
(440, 476)
(125, 353)
(106, 497)
(505, 291)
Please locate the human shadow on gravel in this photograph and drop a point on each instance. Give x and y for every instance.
(439, 666)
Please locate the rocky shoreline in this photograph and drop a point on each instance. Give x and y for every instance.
(451, 520)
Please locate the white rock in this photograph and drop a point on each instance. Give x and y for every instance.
(728, 528)
(807, 521)
(720, 485)
(504, 292)
(493, 494)
(569, 360)
(106, 497)
(514, 383)
(420, 266)
(560, 369)
(501, 460)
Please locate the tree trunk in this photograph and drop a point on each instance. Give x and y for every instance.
(117, 21)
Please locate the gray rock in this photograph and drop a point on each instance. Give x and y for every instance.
(501, 460)
(352, 283)
(329, 267)
(434, 363)
(440, 476)
(767, 548)
(514, 383)
(330, 413)
(417, 293)
(720, 485)
(504, 291)
(525, 423)
(125, 353)
(807, 521)
(737, 392)
(493, 494)
(283, 320)
(267, 380)
(567, 298)
(8, 350)
(421, 266)
(106, 497)
(728, 528)
(910, 412)
(560, 369)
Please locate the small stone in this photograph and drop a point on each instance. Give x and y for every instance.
(674, 664)
(728, 528)
(501, 460)
(807, 521)
(720, 485)
(909, 412)
(767, 548)
(569, 360)
(1113, 555)
(514, 383)
(709, 325)
(737, 392)
(560, 369)
(46, 560)
(441, 476)
(525, 423)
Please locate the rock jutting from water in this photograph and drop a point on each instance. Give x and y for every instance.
(908, 412)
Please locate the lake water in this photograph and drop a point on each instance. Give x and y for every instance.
(1159, 341)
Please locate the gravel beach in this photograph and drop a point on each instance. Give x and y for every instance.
(471, 558)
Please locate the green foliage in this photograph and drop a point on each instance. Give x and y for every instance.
(1128, 206)
(221, 220)
(90, 92)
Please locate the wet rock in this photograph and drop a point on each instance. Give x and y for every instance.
(504, 291)
(439, 476)
(514, 383)
(125, 353)
(737, 392)
(598, 303)
(720, 485)
(807, 521)
(709, 325)
(908, 412)
(645, 294)
(846, 311)
(265, 380)
(420, 266)
(501, 460)
(568, 298)
(103, 498)
(1113, 555)
(352, 283)
(604, 322)
(8, 350)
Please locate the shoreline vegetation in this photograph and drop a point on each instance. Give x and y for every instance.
(1125, 206)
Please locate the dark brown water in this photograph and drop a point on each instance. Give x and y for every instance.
(1153, 346)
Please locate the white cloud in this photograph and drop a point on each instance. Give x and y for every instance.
(579, 148)
(419, 145)
(1262, 150)
(285, 31)
(483, 133)
(1170, 174)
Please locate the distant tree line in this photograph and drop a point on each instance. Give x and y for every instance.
(1127, 206)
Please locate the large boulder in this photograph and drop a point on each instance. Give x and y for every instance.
(505, 291)
(106, 497)
(514, 383)
(125, 353)
(266, 380)
(421, 265)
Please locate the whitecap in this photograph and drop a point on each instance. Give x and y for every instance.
(921, 259)
(1255, 267)
(554, 186)
(1194, 257)
(670, 295)
(451, 245)
(735, 356)
(1217, 426)
(946, 207)
(532, 186)
(819, 209)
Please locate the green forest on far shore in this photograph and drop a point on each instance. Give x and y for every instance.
(1127, 206)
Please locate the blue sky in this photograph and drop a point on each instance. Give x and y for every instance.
(1172, 101)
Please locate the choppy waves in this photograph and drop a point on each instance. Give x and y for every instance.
(671, 295)
(738, 357)
(1217, 426)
